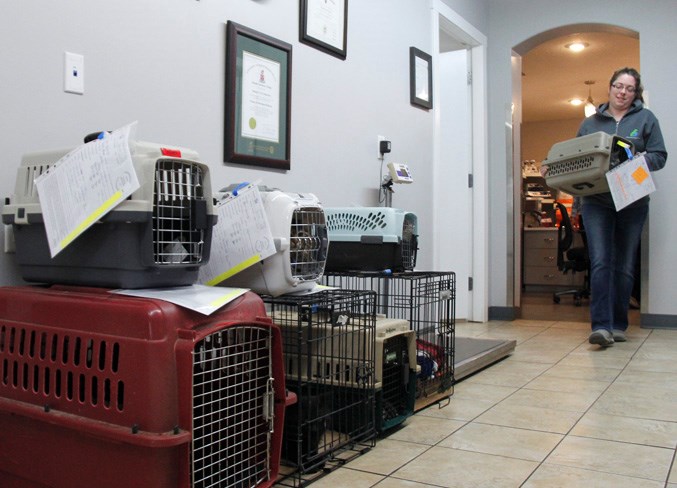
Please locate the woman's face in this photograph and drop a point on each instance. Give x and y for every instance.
(622, 92)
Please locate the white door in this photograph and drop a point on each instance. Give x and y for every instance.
(454, 223)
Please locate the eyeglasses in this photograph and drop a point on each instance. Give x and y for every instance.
(621, 86)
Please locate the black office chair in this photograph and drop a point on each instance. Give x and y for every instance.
(574, 259)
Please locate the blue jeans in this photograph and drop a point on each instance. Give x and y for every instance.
(613, 239)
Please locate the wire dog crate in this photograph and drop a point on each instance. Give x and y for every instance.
(426, 299)
(99, 389)
(159, 236)
(328, 344)
(371, 239)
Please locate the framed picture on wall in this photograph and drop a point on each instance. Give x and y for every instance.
(258, 98)
(324, 25)
(420, 78)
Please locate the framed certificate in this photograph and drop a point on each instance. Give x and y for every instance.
(258, 98)
(324, 25)
(420, 78)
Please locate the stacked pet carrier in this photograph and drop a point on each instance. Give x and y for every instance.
(426, 300)
(329, 347)
(371, 239)
(299, 231)
(578, 166)
(160, 236)
(99, 389)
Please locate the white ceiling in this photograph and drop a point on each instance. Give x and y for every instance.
(552, 74)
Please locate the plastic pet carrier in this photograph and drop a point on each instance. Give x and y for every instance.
(297, 222)
(108, 391)
(371, 239)
(578, 166)
(159, 236)
(328, 344)
(426, 299)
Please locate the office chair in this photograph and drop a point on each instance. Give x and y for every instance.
(574, 259)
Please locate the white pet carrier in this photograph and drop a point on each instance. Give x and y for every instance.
(578, 166)
(159, 236)
(297, 223)
(371, 239)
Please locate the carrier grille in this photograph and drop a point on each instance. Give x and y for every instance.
(232, 408)
(308, 246)
(395, 376)
(179, 213)
(409, 244)
(571, 166)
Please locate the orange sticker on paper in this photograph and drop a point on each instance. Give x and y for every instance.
(640, 175)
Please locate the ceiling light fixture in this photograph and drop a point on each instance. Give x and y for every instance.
(576, 46)
(589, 104)
(576, 102)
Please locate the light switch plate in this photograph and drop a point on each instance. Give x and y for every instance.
(74, 73)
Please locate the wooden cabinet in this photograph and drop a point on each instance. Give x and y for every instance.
(539, 261)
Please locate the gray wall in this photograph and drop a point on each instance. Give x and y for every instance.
(162, 63)
(513, 22)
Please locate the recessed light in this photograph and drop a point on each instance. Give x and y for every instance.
(577, 46)
(576, 102)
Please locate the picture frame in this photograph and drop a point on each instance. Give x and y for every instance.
(420, 78)
(257, 98)
(324, 25)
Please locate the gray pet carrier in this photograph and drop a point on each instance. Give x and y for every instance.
(159, 236)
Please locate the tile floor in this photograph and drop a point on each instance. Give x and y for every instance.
(558, 412)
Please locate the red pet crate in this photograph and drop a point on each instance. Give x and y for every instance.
(104, 390)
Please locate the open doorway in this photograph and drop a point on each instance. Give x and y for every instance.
(551, 77)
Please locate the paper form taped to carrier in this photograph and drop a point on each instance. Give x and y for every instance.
(630, 181)
(85, 185)
(240, 238)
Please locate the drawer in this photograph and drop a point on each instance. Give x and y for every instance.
(541, 257)
(550, 275)
(540, 239)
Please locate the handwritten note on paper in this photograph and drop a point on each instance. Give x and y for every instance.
(84, 185)
(630, 181)
(240, 238)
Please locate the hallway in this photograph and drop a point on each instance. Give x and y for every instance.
(558, 412)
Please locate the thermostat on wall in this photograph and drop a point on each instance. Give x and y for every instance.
(400, 173)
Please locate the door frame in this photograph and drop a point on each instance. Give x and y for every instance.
(446, 20)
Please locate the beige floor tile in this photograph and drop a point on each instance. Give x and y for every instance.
(552, 476)
(481, 392)
(454, 468)
(563, 370)
(387, 456)
(659, 365)
(673, 474)
(640, 401)
(579, 326)
(510, 373)
(457, 409)
(397, 483)
(555, 400)
(534, 418)
(519, 334)
(592, 359)
(537, 353)
(571, 386)
(631, 377)
(627, 429)
(426, 430)
(613, 457)
(503, 441)
(347, 478)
